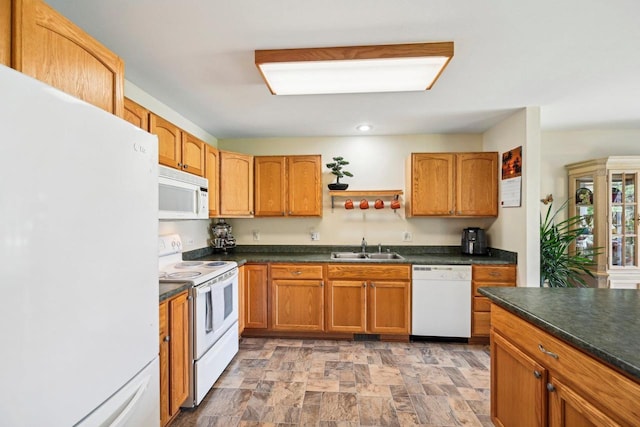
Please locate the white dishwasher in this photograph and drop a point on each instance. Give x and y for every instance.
(441, 301)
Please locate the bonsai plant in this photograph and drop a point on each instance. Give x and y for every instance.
(560, 265)
(336, 169)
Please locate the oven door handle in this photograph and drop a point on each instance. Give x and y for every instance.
(208, 307)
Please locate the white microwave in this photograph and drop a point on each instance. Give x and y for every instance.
(182, 195)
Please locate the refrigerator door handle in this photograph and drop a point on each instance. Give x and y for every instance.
(124, 414)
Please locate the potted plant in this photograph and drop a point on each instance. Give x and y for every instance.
(560, 265)
(336, 169)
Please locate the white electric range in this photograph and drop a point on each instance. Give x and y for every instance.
(213, 313)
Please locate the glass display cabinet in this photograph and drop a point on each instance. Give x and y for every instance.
(605, 193)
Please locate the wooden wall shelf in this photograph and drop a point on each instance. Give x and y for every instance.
(353, 194)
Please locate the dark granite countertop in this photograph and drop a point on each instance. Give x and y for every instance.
(170, 289)
(423, 255)
(604, 323)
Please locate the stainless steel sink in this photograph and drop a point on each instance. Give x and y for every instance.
(365, 256)
(385, 255)
(348, 255)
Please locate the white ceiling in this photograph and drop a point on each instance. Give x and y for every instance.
(579, 60)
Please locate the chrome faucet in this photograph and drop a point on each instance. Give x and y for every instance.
(363, 245)
(379, 248)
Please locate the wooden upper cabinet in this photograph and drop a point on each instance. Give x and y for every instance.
(452, 184)
(288, 186)
(5, 32)
(477, 184)
(50, 48)
(136, 114)
(177, 148)
(430, 184)
(236, 184)
(212, 173)
(192, 154)
(169, 141)
(270, 185)
(304, 185)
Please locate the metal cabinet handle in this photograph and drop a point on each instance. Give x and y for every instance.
(322, 284)
(494, 273)
(186, 166)
(364, 284)
(167, 338)
(551, 387)
(297, 273)
(547, 352)
(537, 374)
(373, 285)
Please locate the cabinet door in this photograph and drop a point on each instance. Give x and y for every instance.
(50, 48)
(136, 114)
(192, 154)
(212, 173)
(389, 307)
(518, 386)
(164, 362)
(178, 351)
(298, 305)
(347, 308)
(236, 184)
(567, 408)
(255, 296)
(432, 185)
(169, 141)
(304, 186)
(270, 186)
(477, 184)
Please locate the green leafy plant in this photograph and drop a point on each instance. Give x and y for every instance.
(560, 265)
(336, 168)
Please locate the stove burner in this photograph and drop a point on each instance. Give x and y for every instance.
(184, 275)
(215, 264)
(187, 264)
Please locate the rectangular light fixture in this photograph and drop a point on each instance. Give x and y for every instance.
(353, 69)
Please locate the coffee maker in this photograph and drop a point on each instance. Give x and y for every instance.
(474, 241)
(222, 237)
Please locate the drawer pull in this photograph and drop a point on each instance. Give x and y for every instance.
(296, 273)
(537, 374)
(551, 387)
(494, 273)
(547, 352)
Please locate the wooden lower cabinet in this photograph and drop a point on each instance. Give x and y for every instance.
(240, 300)
(174, 355)
(485, 276)
(369, 299)
(256, 295)
(540, 380)
(297, 297)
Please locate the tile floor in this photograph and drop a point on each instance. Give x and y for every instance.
(278, 382)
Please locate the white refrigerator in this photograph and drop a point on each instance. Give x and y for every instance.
(78, 262)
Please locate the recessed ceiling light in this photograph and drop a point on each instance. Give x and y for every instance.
(364, 127)
(353, 69)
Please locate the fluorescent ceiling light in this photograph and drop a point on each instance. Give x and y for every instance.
(355, 69)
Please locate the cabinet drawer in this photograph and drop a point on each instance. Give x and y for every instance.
(481, 304)
(494, 273)
(296, 271)
(376, 272)
(481, 324)
(475, 285)
(611, 391)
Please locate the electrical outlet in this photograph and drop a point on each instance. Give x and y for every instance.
(189, 241)
(315, 236)
(256, 235)
(407, 236)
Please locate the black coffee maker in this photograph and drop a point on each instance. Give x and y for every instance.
(474, 241)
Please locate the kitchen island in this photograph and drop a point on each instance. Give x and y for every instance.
(564, 356)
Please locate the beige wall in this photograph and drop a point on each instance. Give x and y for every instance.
(561, 148)
(516, 228)
(194, 233)
(377, 162)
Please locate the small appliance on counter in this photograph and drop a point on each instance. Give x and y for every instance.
(474, 241)
(222, 237)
